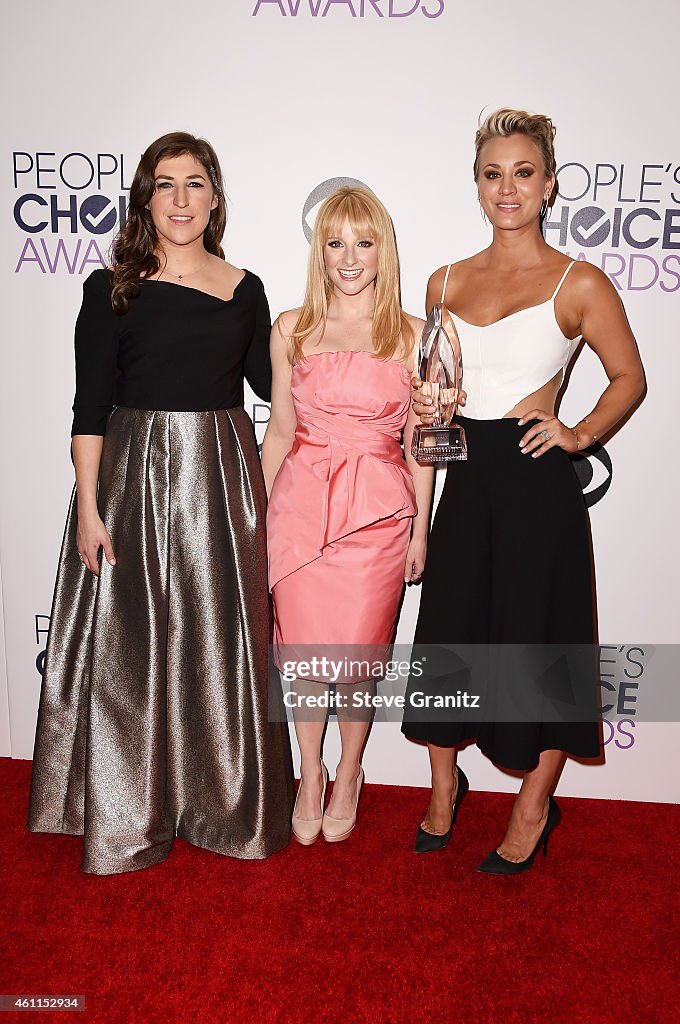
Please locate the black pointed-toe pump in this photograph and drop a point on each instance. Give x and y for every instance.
(426, 842)
(497, 865)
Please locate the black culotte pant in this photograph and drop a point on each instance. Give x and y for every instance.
(509, 562)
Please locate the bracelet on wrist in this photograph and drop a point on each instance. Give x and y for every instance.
(578, 440)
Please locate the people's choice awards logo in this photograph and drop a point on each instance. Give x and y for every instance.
(594, 471)
(623, 688)
(625, 218)
(317, 196)
(386, 9)
(63, 206)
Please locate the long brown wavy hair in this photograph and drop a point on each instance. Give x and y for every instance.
(135, 247)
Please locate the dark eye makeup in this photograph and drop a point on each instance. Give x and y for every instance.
(524, 172)
(334, 243)
(165, 184)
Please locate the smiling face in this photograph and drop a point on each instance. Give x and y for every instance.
(184, 197)
(351, 260)
(512, 181)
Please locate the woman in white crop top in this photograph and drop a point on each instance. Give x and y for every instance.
(509, 553)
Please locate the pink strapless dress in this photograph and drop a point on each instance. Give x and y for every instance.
(339, 517)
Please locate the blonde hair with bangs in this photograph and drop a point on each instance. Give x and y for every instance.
(368, 218)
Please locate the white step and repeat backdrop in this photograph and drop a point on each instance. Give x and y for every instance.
(297, 95)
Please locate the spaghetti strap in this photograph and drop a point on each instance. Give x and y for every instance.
(561, 281)
(446, 281)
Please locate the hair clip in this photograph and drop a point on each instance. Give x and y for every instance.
(213, 177)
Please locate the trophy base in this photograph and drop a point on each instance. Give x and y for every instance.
(439, 444)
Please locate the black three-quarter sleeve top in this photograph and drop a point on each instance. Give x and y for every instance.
(176, 349)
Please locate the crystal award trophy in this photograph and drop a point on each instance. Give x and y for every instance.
(440, 368)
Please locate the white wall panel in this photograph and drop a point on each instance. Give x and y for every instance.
(291, 94)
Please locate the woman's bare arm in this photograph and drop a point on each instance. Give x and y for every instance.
(92, 534)
(597, 308)
(280, 433)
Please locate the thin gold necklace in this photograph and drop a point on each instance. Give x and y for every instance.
(190, 273)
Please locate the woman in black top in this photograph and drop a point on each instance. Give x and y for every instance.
(154, 709)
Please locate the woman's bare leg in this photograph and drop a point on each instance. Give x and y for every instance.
(355, 723)
(310, 723)
(530, 809)
(437, 820)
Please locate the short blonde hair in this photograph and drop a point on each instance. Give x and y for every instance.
(505, 122)
(368, 218)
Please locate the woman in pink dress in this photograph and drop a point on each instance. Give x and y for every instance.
(341, 497)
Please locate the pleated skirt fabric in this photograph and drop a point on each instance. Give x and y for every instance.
(509, 562)
(154, 717)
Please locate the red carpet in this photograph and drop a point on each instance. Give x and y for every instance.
(359, 931)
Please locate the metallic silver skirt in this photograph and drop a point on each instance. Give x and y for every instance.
(153, 716)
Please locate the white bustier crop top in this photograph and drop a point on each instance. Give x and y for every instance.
(512, 358)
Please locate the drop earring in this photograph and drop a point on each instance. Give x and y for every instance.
(544, 207)
(481, 210)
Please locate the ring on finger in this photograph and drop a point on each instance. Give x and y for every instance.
(544, 434)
